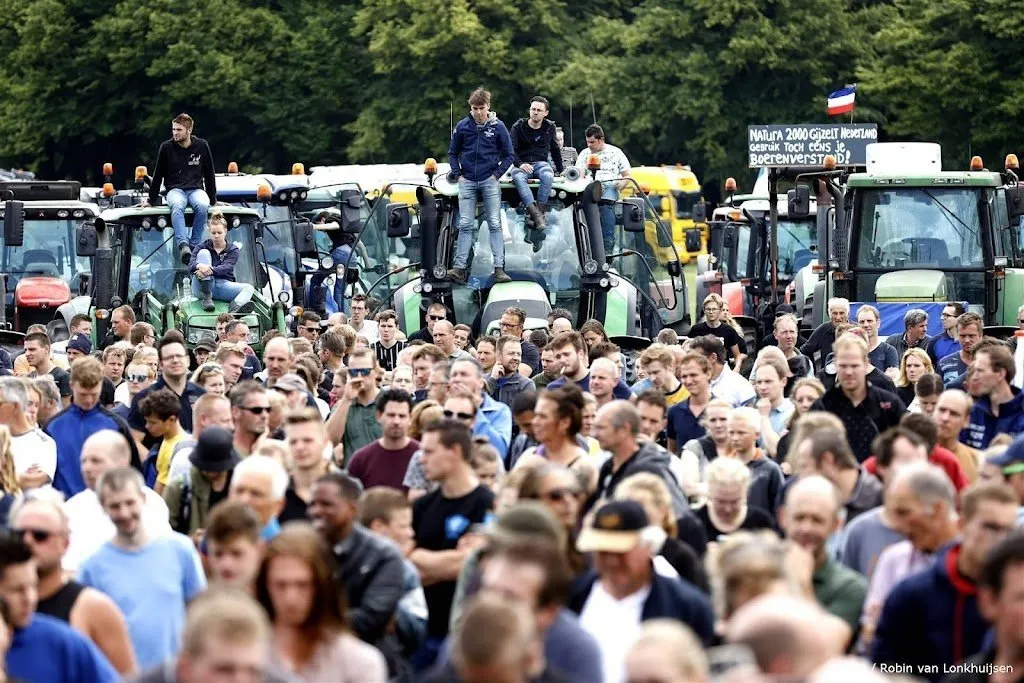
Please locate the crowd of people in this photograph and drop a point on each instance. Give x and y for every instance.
(356, 505)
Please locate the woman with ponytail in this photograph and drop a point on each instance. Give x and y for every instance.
(213, 265)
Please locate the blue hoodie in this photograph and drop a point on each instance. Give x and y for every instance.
(984, 425)
(931, 619)
(50, 650)
(69, 429)
(479, 151)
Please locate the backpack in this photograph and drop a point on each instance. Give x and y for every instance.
(181, 524)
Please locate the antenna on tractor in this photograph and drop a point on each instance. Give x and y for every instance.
(451, 116)
(593, 112)
(571, 135)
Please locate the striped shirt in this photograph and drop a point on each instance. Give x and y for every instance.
(387, 358)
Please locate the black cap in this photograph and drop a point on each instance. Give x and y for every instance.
(214, 451)
(615, 528)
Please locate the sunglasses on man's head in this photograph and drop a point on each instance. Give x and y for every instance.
(38, 535)
(359, 372)
(450, 414)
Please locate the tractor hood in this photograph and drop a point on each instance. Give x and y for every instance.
(199, 325)
(41, 291)
(527, 295)
(912, 285)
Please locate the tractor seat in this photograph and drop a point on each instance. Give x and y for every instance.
(40, 261)
(801, 258)
(929, 250)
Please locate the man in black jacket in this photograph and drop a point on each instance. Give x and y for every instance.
(184, 164)
(370, 568)
(535, 147)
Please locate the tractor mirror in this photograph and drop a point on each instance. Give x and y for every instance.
(399, 220)
(1014, 202)
(302, 232)
(87, 239)
(799, 202)
(693, 240)
(633, 214)
(729, 239)
(84, 280)
(699, 212)
(14, 223)
(351, 276)
(673, 268)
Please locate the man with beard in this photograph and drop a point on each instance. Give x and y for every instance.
(571, 353)
(384, 462)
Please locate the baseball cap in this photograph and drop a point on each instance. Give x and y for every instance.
(291, 382)
(617, 527)
(206, 345)
(1011, 461)
(79, 342)
(783, 309)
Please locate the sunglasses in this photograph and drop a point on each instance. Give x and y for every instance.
(1021, 322)
(558, 495)
(462, 416)
(136, 378)
(38, 535)
(435, 318)
(314, 330)
(359, 372)
(256, 410)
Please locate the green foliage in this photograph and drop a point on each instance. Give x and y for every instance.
(326, 82)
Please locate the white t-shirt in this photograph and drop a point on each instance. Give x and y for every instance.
(613, 162)
(34, 447)
(615, 625)
(90, 526)
(370, 331)
(122, 395)
(732, 387)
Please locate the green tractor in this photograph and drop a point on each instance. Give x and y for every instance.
(135, 262)
(908, 233)
(405, 249)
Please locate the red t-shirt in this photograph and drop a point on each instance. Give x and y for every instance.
(940, 457)
(374, 465)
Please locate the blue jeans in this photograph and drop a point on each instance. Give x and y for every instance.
(541, 170)
(200, 203)
(608, 191)
(223, 290)
(490, 191)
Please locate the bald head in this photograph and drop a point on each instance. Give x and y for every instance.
(279, 344)
(952, 414)
(815, 488)
(109, 444)
(785, 634)
(559, 325)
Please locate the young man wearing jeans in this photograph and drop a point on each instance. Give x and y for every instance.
(533, 141)
(184, 165)
(479, 154)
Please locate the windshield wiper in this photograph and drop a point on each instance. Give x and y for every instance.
(159, 246)
(950, 213)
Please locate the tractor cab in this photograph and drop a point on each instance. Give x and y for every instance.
(634, 291)
(915, 235)
(39, 268)
(137, 263)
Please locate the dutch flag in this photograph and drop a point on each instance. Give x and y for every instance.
(841, 101)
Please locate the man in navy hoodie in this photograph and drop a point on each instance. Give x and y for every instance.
(1000, 409)
(931, 619)
(479, 154)
(533, 140)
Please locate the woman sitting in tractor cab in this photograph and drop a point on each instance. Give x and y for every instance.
(213, 264)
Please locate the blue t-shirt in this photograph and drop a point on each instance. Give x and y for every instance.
(48, 650)
(683, 425)
(151, 586)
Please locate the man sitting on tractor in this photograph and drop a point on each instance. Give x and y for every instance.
(533, 141)
(479, 154)
(214, 268)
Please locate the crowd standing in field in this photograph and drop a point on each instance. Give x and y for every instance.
(359, 505)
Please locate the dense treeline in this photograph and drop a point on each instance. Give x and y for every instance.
(372, 81)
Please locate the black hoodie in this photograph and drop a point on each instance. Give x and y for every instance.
(530, 146)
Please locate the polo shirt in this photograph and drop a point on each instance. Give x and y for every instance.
(683, 425)
(731, 386)
(188, 399)
(779, 416)
(840, 591)
(361, 427)
(881, 408)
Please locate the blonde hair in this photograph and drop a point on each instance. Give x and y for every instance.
(745, 565)
(645, 483)
(920, 354)
(217, 216)
(748, 415)
(728, 472)
(726, 313)
(683, 649)
(8, 477)
(850, 340)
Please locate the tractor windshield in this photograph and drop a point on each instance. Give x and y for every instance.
(277, 237)
(798, 246)
(48, 251)
(156, 267)
(919, 227)
(550, 258)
